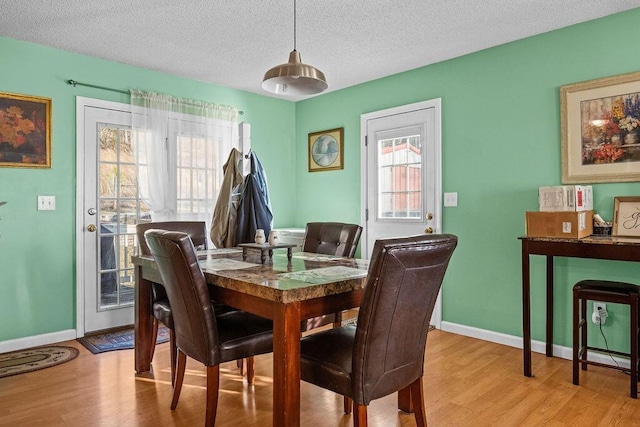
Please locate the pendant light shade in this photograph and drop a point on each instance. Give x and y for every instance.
(294, 77)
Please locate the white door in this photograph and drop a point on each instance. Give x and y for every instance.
(108, 210)
(401, 164)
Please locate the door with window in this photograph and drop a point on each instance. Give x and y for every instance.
(110, 208)
(401, 174)
(110, 202)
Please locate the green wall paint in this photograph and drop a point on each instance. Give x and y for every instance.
(37, 249)
(500, 142)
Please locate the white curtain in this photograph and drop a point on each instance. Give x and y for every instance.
(181, 146)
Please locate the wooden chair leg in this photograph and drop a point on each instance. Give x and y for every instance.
(404, 400)
(213, 385)
(583, 332)
(154, 338)
(240, 365)
(173, 350)
(417, 398)
(337, 322)
(181, 365)
(348, 405)
(577, 325)
(634, 346)
(360, 416)
(251, 364)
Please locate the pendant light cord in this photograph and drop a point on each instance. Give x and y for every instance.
(294, 24)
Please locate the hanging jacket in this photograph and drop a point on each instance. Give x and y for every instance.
(254, 212)
(223, 223)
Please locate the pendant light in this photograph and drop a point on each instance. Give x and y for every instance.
(294, 77)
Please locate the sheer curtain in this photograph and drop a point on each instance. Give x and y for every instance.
(181, 146)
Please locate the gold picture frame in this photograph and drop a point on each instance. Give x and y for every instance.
(626, 217)
(25, 131)
(326, 150)
(601, 130)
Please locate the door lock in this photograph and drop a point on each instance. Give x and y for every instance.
(91, 228)
(92, 211)
(429, 216)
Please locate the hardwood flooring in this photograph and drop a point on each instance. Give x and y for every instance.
(467, 382)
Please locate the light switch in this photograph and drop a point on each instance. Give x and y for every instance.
(451, 199)
(46, 203)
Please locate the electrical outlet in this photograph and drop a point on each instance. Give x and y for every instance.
(600, 314)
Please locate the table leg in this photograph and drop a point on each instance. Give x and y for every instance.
(270, 253)
(289, 254)
(286, 365)
(244, 254)
(143, 323)
(549, 306)
(263, 256)
(526, 311)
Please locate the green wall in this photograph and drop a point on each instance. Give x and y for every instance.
(500, 142)
(37, 248)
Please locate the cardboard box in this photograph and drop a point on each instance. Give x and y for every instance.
(565, 198)
(559, 224)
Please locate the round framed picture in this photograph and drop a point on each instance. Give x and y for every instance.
(326, 150)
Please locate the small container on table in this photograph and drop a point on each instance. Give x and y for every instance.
(264, 248)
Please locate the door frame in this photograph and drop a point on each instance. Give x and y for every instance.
(436, 105)
(81, 103)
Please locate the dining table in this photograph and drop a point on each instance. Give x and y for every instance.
(285, 290)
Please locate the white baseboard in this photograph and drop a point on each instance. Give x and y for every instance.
(37, 340)
(515, 341)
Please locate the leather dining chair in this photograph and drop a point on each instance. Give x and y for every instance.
(161, 308)
(199, 333)
(330, 238)
(385, 352)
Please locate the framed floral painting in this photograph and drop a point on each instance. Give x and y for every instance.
(25, 131)
(601, 130)
(326, 150)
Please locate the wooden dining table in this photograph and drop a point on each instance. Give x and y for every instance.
(286, 291)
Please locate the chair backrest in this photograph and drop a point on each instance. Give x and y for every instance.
(332, 238)
(405, 276)
(193, 315)
(197, 230)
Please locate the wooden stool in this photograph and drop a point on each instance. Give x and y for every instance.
(605, 291)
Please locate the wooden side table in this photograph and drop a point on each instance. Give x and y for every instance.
(264, 248)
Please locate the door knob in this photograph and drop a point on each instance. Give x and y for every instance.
(428, 230)
(91, 228)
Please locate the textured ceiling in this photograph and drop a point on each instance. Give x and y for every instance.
(233, 42)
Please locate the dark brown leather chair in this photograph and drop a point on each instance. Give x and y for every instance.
(384, 353)
(161, 309)
(199, 333)
(330, 238)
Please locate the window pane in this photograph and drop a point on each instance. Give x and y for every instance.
(400, 177)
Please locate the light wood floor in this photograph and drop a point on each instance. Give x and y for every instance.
(467, 382)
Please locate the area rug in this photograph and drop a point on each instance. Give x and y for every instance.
(122, 339)
(33, 359)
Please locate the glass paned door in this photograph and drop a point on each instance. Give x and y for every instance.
(401, 175)
(111, 208)
(120, 209)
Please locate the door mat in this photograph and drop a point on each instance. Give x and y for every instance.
(122, 339)
(34, 359)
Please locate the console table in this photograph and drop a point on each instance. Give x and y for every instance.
(595, 247)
